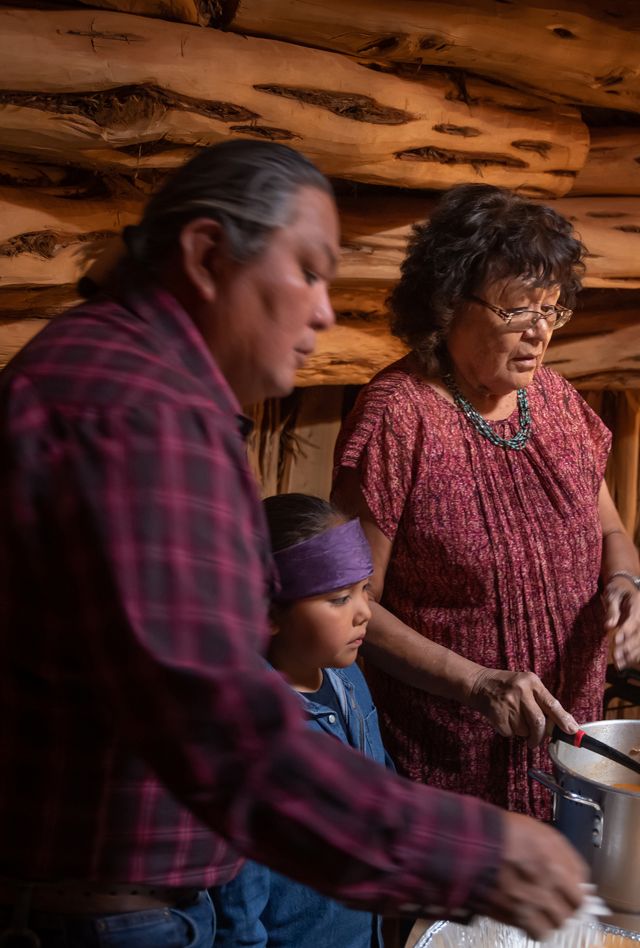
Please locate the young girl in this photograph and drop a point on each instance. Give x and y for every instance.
(319, 620)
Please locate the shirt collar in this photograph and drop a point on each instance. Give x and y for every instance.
(166, 316)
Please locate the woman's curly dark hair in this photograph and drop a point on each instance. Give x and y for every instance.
(478, 233)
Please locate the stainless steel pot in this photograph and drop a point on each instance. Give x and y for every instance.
(601, 821)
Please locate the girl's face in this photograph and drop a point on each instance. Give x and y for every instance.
(319, 632)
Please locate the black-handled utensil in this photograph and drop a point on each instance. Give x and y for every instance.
(582, 739)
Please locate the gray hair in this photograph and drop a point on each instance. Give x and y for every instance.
(245, 185)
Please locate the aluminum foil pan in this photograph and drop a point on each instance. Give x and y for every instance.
(485, 933)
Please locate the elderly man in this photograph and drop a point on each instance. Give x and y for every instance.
(144, 742)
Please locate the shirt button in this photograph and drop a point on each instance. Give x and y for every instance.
(332, 719)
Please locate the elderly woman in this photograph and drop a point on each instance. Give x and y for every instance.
(478, 475)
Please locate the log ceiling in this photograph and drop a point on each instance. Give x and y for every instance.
(117, 92)
(574, 52)
(96, 105)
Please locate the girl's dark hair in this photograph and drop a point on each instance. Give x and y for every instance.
(478, 233)
(292, 518)
(245, 185)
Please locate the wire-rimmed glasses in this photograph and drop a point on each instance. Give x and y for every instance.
(521, 319)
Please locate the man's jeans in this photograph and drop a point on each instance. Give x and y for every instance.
(193, 926)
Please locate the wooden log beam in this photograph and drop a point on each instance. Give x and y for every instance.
(613, 164)
(218, 13)
(600, 362)
(351, 353)
(36, 302)
(601, 311)
(46, 301)
(355, 350)
(600, 347)
(16, 333)
(580, 53)
(51, 241)
(610, 230)
(120, 92)
(197, 12)
(16, 172)
(376, 227)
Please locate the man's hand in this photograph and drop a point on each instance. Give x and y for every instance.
(518, 705)
(539, 881)
(622, 619)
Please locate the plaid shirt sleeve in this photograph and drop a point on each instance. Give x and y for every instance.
(157, 528)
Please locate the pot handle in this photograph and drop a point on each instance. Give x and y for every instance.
(551, 784)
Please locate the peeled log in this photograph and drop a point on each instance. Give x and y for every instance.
(51, 241)
(15, 171)
(198, 12)
(610, 229)
(599, 348)
(609, 361)
(113, 91)
(50, 300)
(613, 164)
(608, 357)
(38, 302)
(351, 353)
(583, 54)
(16, 333)
(375, 231)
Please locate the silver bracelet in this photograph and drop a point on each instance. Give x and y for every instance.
(626, 575)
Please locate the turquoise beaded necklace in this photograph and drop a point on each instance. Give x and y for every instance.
(519, 439)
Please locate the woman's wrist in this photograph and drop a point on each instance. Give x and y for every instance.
(625, 575)
(475, 683)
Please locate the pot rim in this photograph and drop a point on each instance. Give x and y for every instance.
(596, 783)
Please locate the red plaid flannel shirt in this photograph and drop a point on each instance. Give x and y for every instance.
(142, 736)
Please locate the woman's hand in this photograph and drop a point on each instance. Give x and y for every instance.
(518, 705)
(622, 619)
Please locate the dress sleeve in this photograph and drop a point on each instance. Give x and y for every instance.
(379, 439)
(590, 432)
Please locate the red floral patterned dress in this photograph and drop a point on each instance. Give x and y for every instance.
(496, 554)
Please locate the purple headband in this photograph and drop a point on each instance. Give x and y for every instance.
(334, 559)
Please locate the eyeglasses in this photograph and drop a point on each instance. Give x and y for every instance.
(521, 319)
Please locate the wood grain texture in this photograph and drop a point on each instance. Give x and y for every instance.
(577, 52)
(120, 92)
(613, 164)
(51, 241)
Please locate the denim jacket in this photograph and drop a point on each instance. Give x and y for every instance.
(356, 704)
(260, 907)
